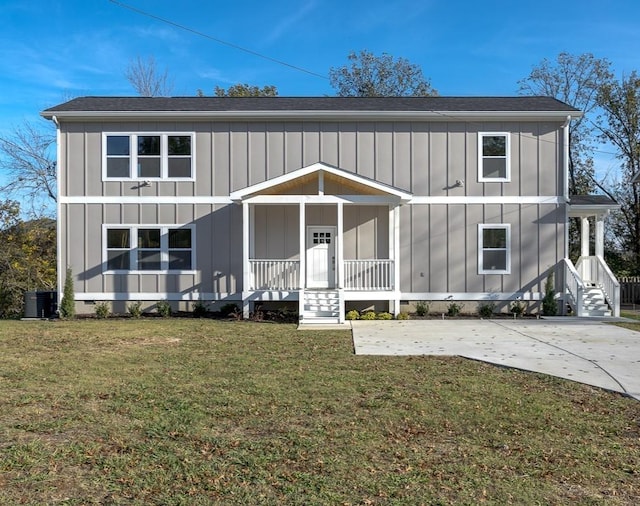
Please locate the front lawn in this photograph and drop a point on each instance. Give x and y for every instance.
(188, 411)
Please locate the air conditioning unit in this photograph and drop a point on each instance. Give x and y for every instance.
(40, 304)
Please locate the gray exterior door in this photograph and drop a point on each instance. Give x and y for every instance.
(321, 257)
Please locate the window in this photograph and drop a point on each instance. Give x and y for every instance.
(494, 249)
(493, 157)
(149, 248)
(148, 156)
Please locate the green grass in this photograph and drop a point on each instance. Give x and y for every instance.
(188, 411)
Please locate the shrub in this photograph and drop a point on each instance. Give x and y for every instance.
(68, 303)
(549, 305)
(135, 309)
(352, 315)
(199, 309)
(368, 315)
(384, 316)
(454, 309)
(517, 307)
(402, 316)
(163, 308)
(102, 310)
(486, 309)
(422, 308)
(229, 309)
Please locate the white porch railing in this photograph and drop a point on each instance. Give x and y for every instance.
(574, 287)
(368, 274)
(594, 269)
(275, 274)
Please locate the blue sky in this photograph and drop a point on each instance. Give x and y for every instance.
(52, 50)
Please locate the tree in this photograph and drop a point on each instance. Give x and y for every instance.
(620, 126)
(68, 303)
(27, 257)
(244, 90)
(368, 75)
(147, 79)
(574, 80)
(27, 160)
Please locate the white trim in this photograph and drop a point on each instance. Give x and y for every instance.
(154, 199)
(455, 296)
(156, 296)
(524, 199)
(507, 158)
(507, 248)
(164, 156)
(317, 199)
(133, 246)
(320, 168)
(59, 247)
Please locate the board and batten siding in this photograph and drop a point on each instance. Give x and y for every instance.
(423, 158)
(440, 254)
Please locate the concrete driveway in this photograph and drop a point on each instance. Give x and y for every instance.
(586, 351)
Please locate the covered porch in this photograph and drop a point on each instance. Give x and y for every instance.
(591, 289)
(320, 236)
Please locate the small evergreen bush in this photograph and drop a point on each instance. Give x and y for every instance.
(402, 316)
(135, 309)
(68, 303)
(454, 309)
(102, 310)
(422, 308)
(163, 308)
(549, 305)
(384, 316)
(486, 309)
(200, 309)
(352, 315)
(368, 315)
(517, 307)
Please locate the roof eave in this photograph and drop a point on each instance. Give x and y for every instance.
(315, 114)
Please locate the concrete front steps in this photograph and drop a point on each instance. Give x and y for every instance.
(321, 307)
(594, 303)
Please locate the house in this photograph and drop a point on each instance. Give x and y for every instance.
(328, 203)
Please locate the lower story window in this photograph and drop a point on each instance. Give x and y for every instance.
(494, 249)
(148, 248)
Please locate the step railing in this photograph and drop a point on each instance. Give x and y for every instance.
(274, 274)
(368, 275)
(574, 288)
(596, 270)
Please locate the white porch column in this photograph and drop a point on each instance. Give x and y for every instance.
(584, 236)
(303, 258)
(600, 235)
(394, 254)
(340, 260)
(246, 266)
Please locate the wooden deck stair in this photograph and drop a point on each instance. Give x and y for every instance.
(321, 306)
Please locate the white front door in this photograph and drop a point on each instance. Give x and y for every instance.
(321, 257)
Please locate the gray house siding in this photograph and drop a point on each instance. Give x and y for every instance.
(438, 228)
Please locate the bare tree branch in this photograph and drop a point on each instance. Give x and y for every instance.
(147, 80)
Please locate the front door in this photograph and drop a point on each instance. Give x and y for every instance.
(321, 257)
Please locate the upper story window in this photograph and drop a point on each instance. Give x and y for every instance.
(494, 160)
(494, 249)
(148, 248)
(148, 156)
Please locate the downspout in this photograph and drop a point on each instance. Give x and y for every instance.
(60, 268)
(565, 191)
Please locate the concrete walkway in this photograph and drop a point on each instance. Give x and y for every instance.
(586, 351)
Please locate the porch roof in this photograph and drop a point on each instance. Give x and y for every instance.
(591, 205)
(359, 185)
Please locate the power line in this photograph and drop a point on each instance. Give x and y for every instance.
(219, 41)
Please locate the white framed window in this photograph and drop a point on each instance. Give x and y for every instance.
(148, 155)
(148, 248)
(494, 249)
(494, 157)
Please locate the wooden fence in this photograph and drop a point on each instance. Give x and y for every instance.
(629, 289)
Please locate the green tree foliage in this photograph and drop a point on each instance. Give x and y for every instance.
(27, 257)
(368, 75)
(243, 90)
(68, 304)
(549, 304)
(620, 126)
